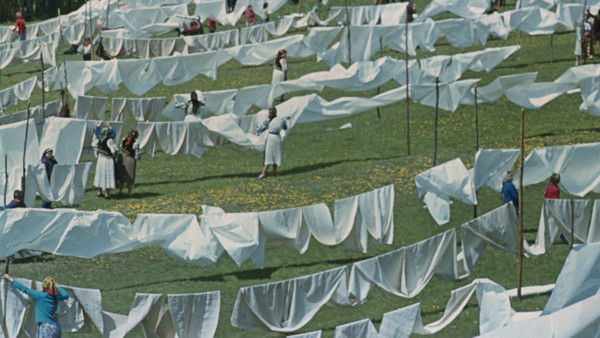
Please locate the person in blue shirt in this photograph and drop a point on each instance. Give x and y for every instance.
(17, 202)
(46, 303)
(509, 192)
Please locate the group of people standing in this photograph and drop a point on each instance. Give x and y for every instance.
(587, 34)
(115, 166)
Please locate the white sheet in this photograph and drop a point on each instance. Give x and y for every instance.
(140, 109)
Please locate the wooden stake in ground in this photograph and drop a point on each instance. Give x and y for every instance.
(407, 90)
(435, 120)
(348, 25)
(572, 224)
(476, 142)
(63, 59)
(551, 47)
(25, 147)
(379, 87)
(520, 230)
(5, 178)
(43, 85)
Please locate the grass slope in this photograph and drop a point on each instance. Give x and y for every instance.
(322, 164)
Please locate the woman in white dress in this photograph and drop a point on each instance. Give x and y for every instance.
(280, 69)
(106, 150)
(273, 156)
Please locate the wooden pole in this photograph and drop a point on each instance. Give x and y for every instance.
(5, 178)
(25, 147)
(551, 47)
(43, 85)
(520, 230)
(476, 142)
(379, 87)
(407, 90)
(572, 224)
(349, 39)
(107, 13)
(63, 59)
(435, 121)
(89, 7)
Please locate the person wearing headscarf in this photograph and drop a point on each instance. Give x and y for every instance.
(17, 202)
(273, 152)
(106, 150)
(46, 303)
(48, 161)
(193, 107)
(126, 162)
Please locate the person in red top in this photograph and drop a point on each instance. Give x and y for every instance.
(552, 191)
(250, 16)
(20, 27)
(212, 25)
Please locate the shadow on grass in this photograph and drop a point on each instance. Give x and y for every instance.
(254, 274)
(556, 133)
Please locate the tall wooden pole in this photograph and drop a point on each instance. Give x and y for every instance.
(63, 59)
(435, 121)
(43, 85)
(349, 39)
(551, 47)
(572, 224)
(89, 8)
(407, 90)
(25, 147)
(520, 230)
(5, 178)
(107, 12)
(476, 142)
(379, 87)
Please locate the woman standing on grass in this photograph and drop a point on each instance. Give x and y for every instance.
(126, 162)
(49, 161)
(46, 303)
(105, 149)
(273, 156)
(280, 69)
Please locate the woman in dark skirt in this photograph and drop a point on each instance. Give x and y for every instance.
(126, 162)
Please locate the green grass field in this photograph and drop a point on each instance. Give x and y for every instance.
(321, 164)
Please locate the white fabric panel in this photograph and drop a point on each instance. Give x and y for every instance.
(134, 19)
(449, 97)
(90, 107)
(576, 165)
(285, 225)
(491, 165)
(12, 142)
(497, 228)
(195, 315)
(256, 33)
(186, 138)
(237, 233)
(141, 109)
(143, 304)
(312, 334)
(181, 236)
(11, 183)
(535, 95)
(13, 307)
(495, 89)
(450, 179)
(463, 8)
(406, 271)
(37, 113)
(361, 328)
(257, 54)
(20, 91)
(288, 305)
(568, 14)
(371, 213)
(213, 41)
(594, 232)
(283, 26)
(67, 185)
(555, 218)
(531, 20)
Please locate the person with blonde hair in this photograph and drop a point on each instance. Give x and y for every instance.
(46, 303)
(20, 27)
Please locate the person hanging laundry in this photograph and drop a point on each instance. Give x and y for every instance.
(127, 160)
(105, 150)
(46, 304)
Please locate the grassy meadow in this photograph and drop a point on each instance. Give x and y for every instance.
(321, 164)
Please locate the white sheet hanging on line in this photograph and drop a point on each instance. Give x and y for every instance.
(12, 141)
(90, 107)
(67, 185)
(288, 305)
(450, 179)
(463, 8)
(406, 271)
(491, 165)
(141, 109)
(20, 91)
(37, 113)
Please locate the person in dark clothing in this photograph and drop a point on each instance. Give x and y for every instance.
(49, 161)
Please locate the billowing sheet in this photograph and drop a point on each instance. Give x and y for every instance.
(20, 91)
(361, 328)
(384, 14)
(463, 8)
(285, 225)
(37, 113)
(491, 165)
(288, 305)
(12, 144)
(577, 165)
(531, 20)
(447, 96)
(406, 271)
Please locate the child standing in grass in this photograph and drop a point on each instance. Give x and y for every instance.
(20, 27)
